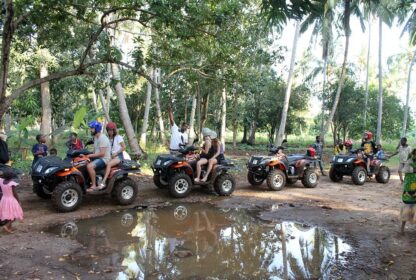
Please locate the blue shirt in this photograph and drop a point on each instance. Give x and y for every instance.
(39, 148)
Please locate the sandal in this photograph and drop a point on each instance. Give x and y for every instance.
(92, 189)
(101, 186)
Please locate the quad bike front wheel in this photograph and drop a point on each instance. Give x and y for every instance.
(159, 182)
(224, 184)
(180, 185)
(383, 175)
(125, 191)
(254, 180)
(334, 175)
(67, 196)
(359, 175)
(310, 178)
(41, 191)
(276, 180)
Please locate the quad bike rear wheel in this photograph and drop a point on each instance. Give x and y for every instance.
(180, 185)
(383, 175)
(254, 179)
(41, 191)
(310, 178)
(359, 175)
(125, 191)
(67, 196)
(224, 184)
(334, 175)
(276, 180)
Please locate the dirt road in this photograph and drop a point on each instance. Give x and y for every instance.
(365, 216)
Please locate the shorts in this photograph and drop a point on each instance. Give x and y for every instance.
(402, 166)
(99, 164)
(120, 156)
(407, 213)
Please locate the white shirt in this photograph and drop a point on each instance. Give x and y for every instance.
(177, 138)
(115, 144)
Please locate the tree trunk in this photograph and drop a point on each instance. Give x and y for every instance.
(252, 136)
(323, 94)
(281, 132)
(244, 140)
(235, 121)
(192, 121)
(346, 23)
(7, 35)
(380, 83)
(158, 110)
(104, 105)
(124, 114)
(7, 123)
(46, 124)
(367, 73)
(94, 102)
(223, 116)
(146, 111)
(198, 108)
(204, 113)
(406, 107)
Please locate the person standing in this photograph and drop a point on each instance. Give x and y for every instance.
(40, 149)
(404, 150)
(10, 208)
(319, 147)
(179, 137)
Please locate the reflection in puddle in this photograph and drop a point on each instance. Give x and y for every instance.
(196, 241)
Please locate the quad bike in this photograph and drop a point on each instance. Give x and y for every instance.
(176, 173)
(66, 181)
(354, 165)
(278, 169)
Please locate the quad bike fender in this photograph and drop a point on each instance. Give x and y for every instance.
(360, 162)
(183, 165)
(116, 175)
(72, 172)
(303, 165)
(277, 164)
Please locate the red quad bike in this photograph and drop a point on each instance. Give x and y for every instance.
(66, 181)
(176, 173)
(279, 169)
(354, 165)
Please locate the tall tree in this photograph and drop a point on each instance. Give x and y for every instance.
(380, 80)
(46, 124)
(406, 107)
(146, 111)
(281, 132)
(159, 118)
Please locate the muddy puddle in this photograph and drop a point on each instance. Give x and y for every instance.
(199, 241)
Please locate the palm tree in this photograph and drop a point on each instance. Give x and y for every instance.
(281, 132)
(406, 107)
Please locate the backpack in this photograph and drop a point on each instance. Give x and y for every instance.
(4, 152)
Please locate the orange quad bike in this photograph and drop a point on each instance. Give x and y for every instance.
(66, 181)
(354, 165)
(177, 172)
(278, 169)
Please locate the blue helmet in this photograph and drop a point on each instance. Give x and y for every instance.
(96, 125)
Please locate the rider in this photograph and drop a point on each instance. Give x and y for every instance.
(369, 148)
(101, 155)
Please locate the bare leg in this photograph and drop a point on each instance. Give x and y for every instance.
(201, 162)
(110, 164)
(211, 164)
(91, 172)
(401, 176)
(8, 227)
(402, 227)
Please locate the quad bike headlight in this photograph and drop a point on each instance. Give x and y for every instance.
(333, 158)
(167, 162)
(350, 159)
(50, 170)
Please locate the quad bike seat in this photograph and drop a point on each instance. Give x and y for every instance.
(129, 164)
(294, 158)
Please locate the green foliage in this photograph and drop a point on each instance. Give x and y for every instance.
(79, 117)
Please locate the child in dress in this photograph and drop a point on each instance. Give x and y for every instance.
(10, 208)
(408, 211)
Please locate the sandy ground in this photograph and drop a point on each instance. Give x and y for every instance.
(365, 216)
